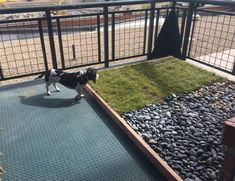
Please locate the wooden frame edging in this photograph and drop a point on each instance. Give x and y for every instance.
(156, 160)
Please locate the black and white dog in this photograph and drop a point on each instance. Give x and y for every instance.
(70, 80)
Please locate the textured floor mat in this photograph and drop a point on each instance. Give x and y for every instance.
(51, 138)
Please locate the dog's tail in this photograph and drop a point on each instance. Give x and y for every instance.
(40, 76)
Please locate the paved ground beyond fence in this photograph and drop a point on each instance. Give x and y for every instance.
(211, 69)
(224, 60)
(50, 138)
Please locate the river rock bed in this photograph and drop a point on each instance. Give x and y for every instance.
(186, 129)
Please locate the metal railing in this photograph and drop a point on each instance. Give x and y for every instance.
(213, 38)
(29, 46)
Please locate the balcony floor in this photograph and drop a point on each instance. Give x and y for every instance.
(50, 138)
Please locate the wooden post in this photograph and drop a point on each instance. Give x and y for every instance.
(228, 169)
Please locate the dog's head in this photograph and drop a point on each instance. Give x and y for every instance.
(92, 74)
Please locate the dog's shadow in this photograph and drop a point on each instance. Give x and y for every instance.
(42, 100)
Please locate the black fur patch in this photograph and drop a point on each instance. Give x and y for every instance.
(69, 80)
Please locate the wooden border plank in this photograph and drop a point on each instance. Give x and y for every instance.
(156, 160)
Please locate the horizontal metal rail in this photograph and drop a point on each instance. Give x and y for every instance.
(124, 58)
(76, 6)
(216, 12)
(21, 20)
(212, 2)
(138, 10)
(76, 16)
(106, 3)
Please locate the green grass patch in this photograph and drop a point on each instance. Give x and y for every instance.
(135, 86)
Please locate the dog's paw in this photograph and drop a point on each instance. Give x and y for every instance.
(49, 93)
(82, 95)
(77, 98)
(58, 90)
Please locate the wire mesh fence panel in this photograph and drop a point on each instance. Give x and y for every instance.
(80, 42)
(212, 40)
(74, 37)
(21, 48)
(128, 32)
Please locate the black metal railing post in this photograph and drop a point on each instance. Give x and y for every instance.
(233, 72)
(106, 36)
(150, 34)
(113, 36)
(187, 30)
(145, 30)
(43, 44)
(98, 38)
(51, 39)
(173, 4)
(60, 43)
(1, 73)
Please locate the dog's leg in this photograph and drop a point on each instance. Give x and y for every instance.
(47, 88)
(56, 88)
(79, 91)
(81, 94)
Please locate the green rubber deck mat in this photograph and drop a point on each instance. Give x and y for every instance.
(49, 138)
